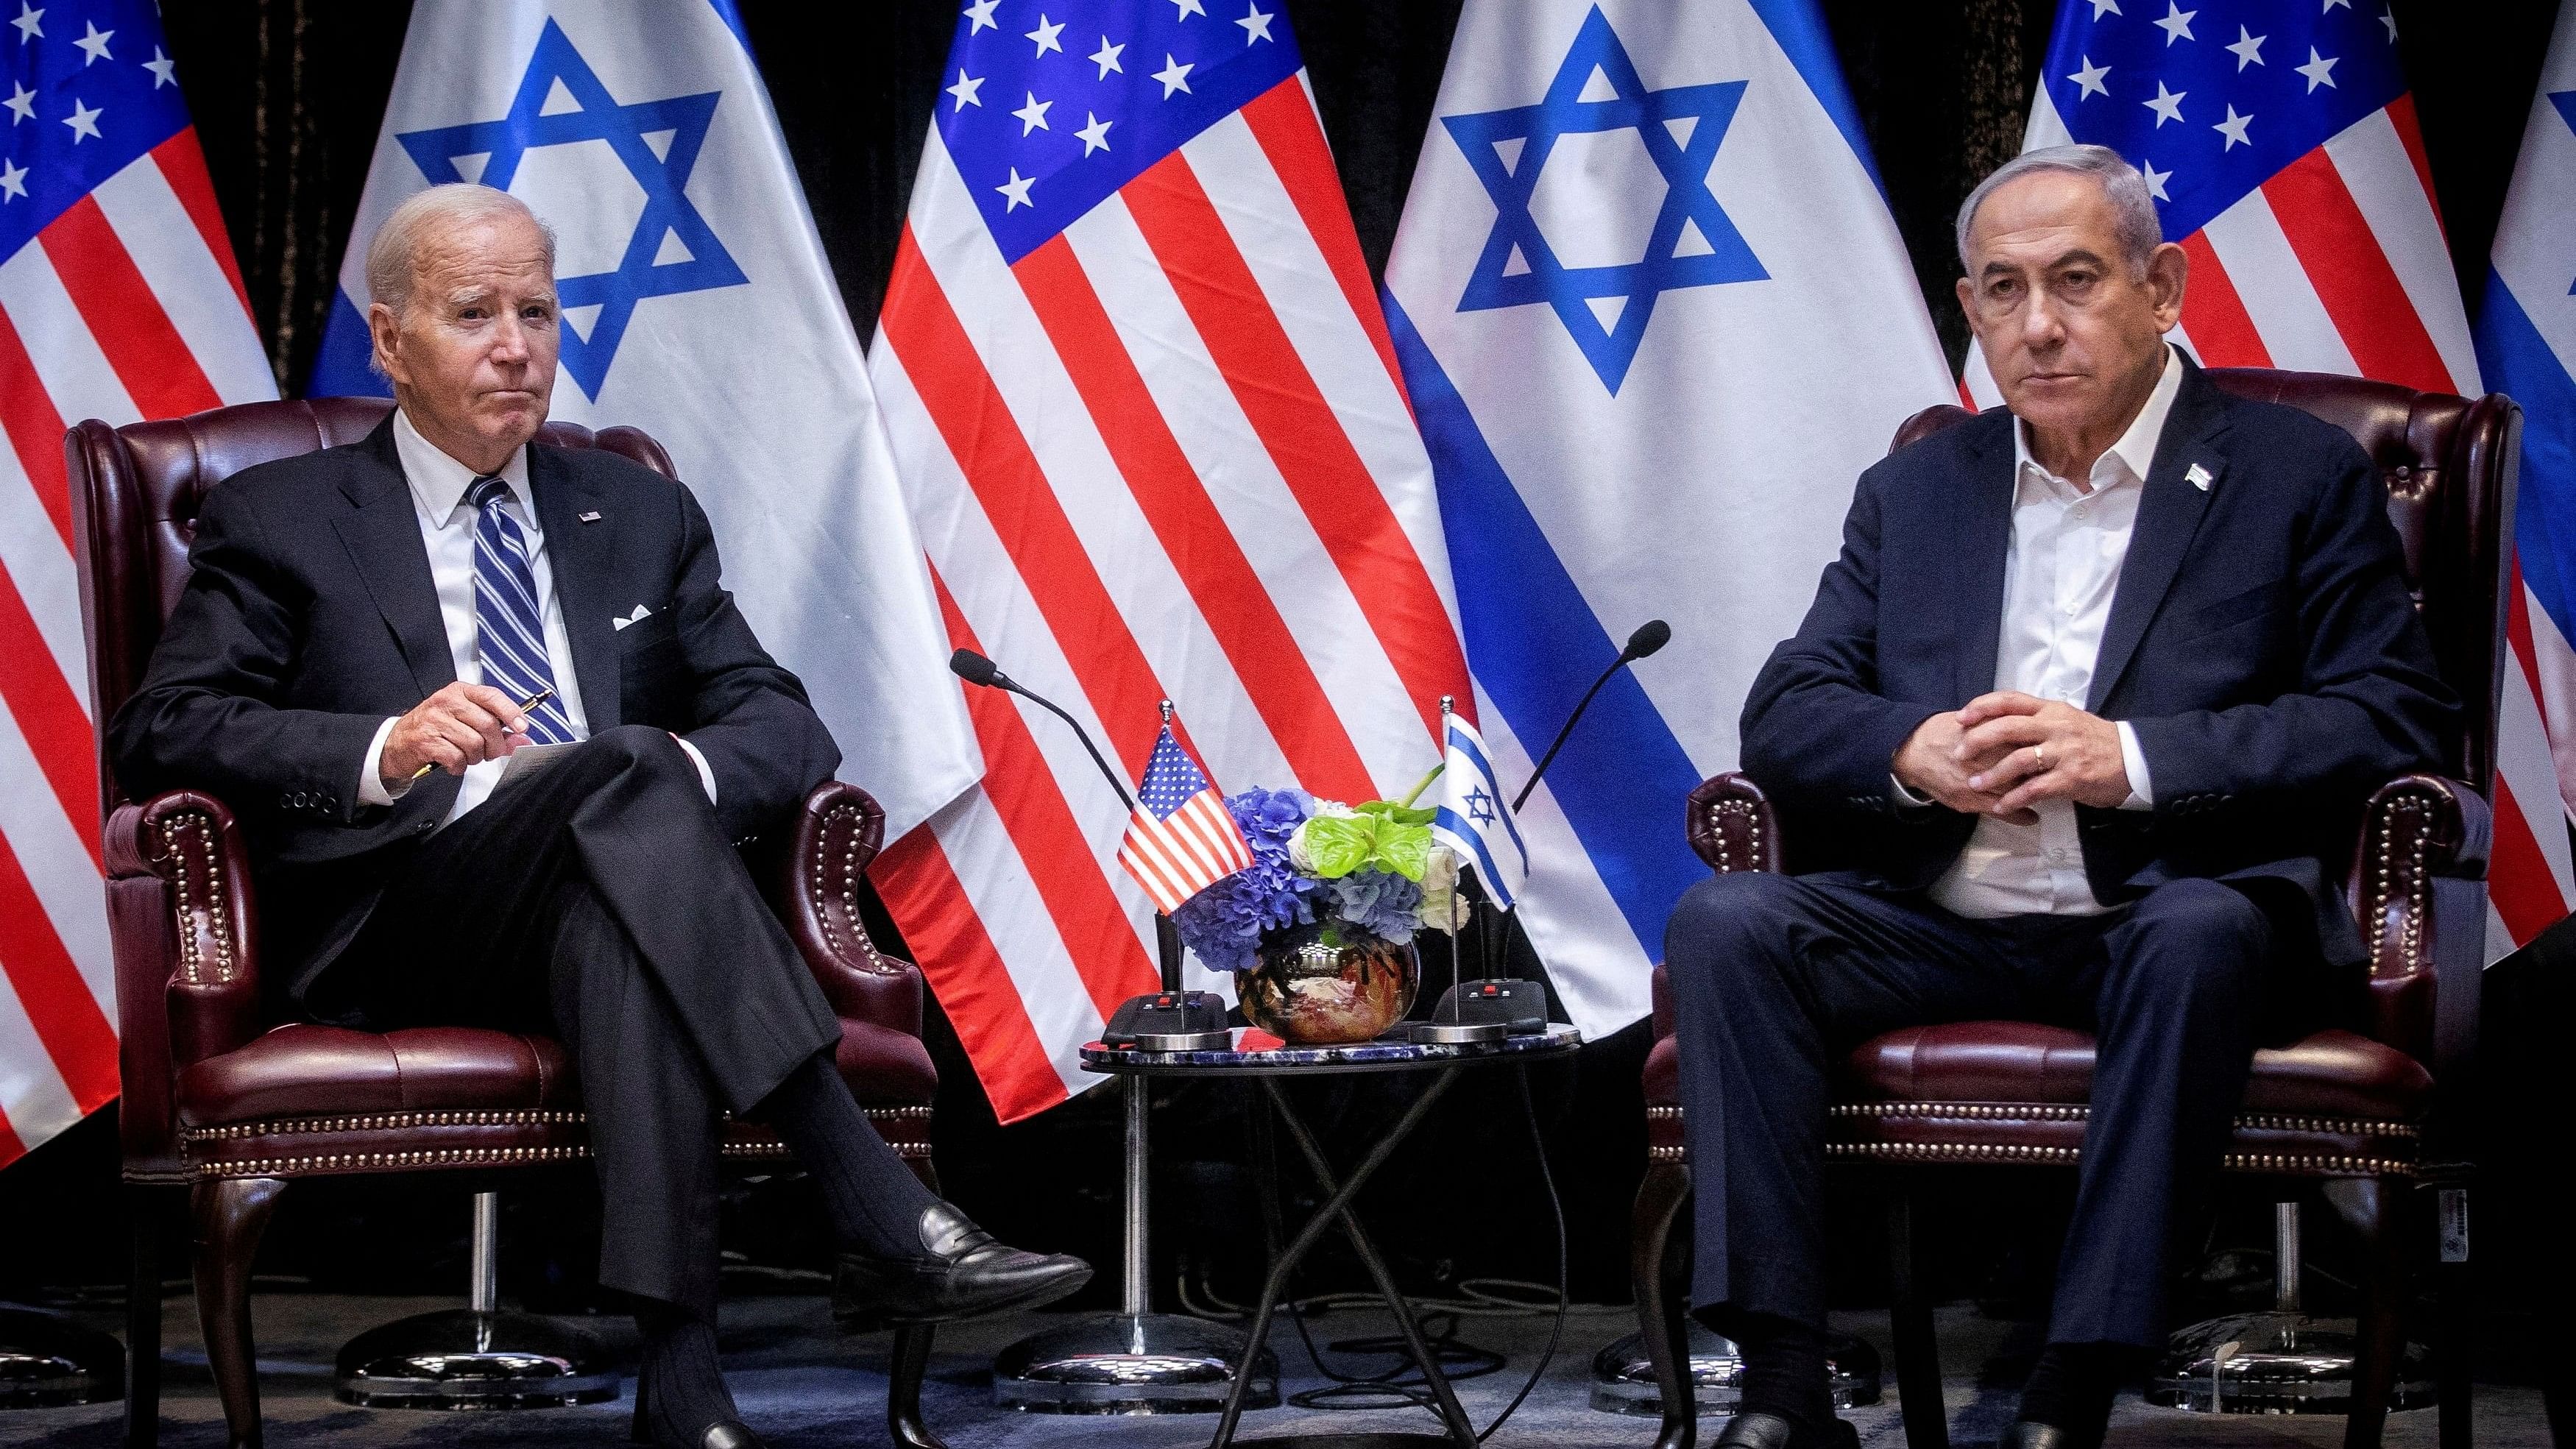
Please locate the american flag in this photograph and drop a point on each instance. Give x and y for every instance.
(2281, 145)
(1181, 838)
(118, 300)
(1148, 418)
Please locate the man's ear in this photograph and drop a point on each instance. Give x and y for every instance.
(2168, 270)
(384, 333)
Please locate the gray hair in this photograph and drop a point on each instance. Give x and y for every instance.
(393, 256)
(2139, 231)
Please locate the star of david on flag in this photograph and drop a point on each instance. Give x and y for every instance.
(1692, 244)
(1472, 819)
(561, 102)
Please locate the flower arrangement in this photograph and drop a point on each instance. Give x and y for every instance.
(1323, 870)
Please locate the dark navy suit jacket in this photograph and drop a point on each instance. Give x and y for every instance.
(310, 616)
(2261, 643)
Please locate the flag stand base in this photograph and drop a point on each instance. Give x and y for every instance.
(47, 1361)
(1145, 1363)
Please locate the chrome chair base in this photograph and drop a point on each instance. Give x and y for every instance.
(1152, 1363)
(2280, 1362)
(1623, 1378)
(461, 1358)
(47, 1361)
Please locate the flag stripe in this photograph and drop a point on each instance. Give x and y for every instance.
(2222, 332)
(49, 987)
(1278, 393)
(1283, 120)
(966, 971)
(122, 312)
(183, 165)
(1229, 593)
(68, 359)
(2397, 206)
(2273, 284)
(994, 457)
(1058, 859)
(2516, 882)
(171, 258)
(35, 430)
(2352, 277)
(50, 715)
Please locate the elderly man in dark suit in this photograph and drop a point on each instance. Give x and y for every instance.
(352, 665)
(2095, 687)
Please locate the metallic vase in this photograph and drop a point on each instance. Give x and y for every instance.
(1329, 989)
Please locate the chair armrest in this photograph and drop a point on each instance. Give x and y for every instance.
(836, 833)
(184, 938)
(1732, 825)
(2422, 853)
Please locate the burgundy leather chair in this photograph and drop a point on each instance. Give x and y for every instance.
(232, 1105)
(2348, 1110)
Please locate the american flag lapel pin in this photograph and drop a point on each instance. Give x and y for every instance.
(2197, 476)
(590, 517)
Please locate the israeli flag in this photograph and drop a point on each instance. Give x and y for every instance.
(1655, 319)
(2526, 337)
(1475, 817)
(698, 306)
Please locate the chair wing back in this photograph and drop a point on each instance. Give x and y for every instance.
(2449, 465)
(135, 493)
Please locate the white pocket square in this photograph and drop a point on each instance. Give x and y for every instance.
(641, 612)
(2197, 476)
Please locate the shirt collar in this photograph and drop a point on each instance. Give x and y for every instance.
(439, 482)
(2136, 450)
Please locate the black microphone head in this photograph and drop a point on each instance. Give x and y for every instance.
(972, 667)
(1651, 635)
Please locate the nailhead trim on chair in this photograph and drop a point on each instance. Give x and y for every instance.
(2417, 886)
(851, 874)
(443, 1157)
(391, 1161)
(387, 1122)
(2305, 1163)
(1725, 864)
(2039, 1112)
(201, 827)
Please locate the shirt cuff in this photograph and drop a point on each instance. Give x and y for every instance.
(372, 789)
(2142, 786)
(707, 774)
(1905, 799)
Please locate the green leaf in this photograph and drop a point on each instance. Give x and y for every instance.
(1400, 814)
(1340, 845)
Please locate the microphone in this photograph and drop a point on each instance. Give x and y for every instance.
(974, 668)
(1651, 635)
(1167, 1020)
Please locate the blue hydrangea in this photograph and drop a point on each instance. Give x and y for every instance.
(1378, 903)
(1224, 924)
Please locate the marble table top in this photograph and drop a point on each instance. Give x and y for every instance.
(1256, 1053)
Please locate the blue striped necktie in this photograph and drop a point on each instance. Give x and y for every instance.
(509, 627)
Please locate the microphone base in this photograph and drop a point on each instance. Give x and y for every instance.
(1169, 1021)
(1519, 1007)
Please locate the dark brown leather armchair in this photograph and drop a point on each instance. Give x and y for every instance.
(2346, 1109)
(231, 1105)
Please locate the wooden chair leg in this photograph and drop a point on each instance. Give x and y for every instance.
(903, 1389)
(143, 1207)
(1659, 1274)
(2372, 1207)
(1918, 1347)
(230, 1214)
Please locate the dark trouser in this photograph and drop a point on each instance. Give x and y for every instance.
(1775, 977)
(599, 902)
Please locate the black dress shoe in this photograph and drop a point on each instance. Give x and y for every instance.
(1770, 1431)
(2028, 1434)
(961, 1273)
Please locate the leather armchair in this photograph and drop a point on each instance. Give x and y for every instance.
(232, 1105)
(2350, 1110)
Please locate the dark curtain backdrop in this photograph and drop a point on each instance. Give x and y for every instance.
(288, 96)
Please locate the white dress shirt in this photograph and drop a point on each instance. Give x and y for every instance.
(439, 484)
(2060, 575)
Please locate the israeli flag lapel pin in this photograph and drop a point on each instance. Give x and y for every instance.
(593, 515)
(2197, 476)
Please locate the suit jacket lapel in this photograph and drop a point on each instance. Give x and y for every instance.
(580, 555)
(1984, 539)
(382, 535)
(2169, 513)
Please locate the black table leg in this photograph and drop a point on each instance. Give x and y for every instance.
(1336, 1206)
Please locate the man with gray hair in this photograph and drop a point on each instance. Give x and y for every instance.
(368, 637)
(2074, 732)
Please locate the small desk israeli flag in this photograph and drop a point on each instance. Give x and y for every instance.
(1475, 816)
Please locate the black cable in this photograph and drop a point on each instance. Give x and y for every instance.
(1547, 1174)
